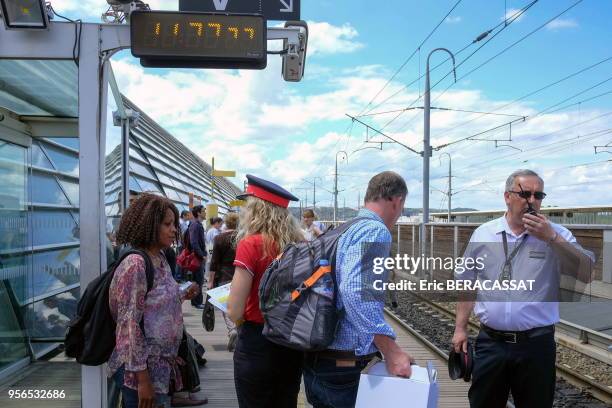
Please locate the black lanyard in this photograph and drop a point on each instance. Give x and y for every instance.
(507, 268)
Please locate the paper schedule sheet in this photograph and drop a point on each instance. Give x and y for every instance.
(218, 297)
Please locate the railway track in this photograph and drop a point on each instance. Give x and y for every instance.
(441, 354)
(598, 390)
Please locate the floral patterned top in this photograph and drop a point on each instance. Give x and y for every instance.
(163, 323)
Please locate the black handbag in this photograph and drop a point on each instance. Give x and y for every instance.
(208, 316)
(460, 364)
(190, 372)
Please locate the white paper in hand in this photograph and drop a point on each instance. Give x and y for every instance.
(218, 297)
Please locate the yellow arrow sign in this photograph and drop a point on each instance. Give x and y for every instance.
(224, 173)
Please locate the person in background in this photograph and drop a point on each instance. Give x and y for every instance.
(265, 374)
(184, 225)
(197, 242)
(222, 267)
(144, 363)
(213, 231)
(312, 228)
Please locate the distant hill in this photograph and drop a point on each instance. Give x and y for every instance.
(345, 213)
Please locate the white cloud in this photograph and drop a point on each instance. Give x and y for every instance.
(91, 10)
(561, 23)
(252, 121)
(513, 15)
(325, 38)
(452, 20)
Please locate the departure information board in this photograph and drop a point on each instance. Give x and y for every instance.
(198, 40)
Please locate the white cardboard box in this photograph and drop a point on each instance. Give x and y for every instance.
(379, 389)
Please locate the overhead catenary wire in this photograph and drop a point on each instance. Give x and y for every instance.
(416, 50)
(531, 117)
(438, 108)
(497, 55)
(545, 87)
(479, 38)
(482, 36)
(546, 148)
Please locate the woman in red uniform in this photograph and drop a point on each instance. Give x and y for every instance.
(266, 375)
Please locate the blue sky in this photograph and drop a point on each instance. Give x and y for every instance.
(254, 122)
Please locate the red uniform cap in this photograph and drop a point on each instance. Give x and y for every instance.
(268, 191)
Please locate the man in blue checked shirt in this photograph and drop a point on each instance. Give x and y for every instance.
(332, 376)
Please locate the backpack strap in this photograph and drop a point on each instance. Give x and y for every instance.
(149, 272)
(149, 269)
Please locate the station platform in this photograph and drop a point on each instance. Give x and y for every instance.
(596, 315)
(217, 377)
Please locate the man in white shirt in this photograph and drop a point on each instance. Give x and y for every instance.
(515, 348)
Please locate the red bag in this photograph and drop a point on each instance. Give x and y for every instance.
(189, 260)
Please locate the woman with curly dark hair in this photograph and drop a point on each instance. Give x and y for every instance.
(144, 365)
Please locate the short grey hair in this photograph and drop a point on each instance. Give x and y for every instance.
(521, 173)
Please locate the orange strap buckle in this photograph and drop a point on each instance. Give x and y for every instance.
(310, 281)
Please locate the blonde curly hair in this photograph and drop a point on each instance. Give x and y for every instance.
(277, 225)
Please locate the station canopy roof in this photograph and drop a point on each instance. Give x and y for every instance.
(39, 87)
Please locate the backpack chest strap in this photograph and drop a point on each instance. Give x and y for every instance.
(310, 281)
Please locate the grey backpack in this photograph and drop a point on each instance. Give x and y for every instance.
(298, 293)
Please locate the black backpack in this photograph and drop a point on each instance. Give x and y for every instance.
(298, 293)
(91, 334)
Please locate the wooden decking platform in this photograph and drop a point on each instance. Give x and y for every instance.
(217, 378)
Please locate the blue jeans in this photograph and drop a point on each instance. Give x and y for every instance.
(130, 396)
(329, 386)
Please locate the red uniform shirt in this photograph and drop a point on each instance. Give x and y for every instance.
(250, 256)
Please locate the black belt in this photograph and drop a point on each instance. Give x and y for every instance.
(517, 336)
(341, 355)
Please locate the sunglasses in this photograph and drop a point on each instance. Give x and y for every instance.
(538, 195)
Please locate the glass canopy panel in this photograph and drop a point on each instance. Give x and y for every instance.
(52, 227)
(134, 152)
(147, 185)
(72, 190)
(134, 185)
(52, 271)
(39, 159)
(71, 142)
(50, 317)
(45, 189)
(141, 169)
(13, 345)
(66, 163)
(39, 87)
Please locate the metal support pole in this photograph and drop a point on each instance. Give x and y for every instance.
(125, 164)
(336, 184)
(398, 239)
(607, 257)
(426, 144)
(450, 188)
(314, 195)
(455, 241)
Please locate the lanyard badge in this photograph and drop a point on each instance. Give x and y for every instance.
(506, 272)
